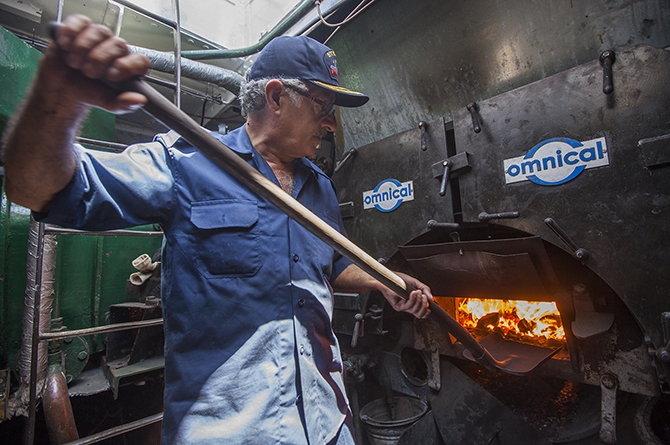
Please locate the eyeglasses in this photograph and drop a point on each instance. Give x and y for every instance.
(326, 108)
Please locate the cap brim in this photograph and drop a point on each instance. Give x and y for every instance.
(343, 96)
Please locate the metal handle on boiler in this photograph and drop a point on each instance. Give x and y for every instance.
(445, 176)
(350, 154)
(358, 327)
(473, 108)
(484, 217)
(607, 59)
(577, 252)
(432, 224)
(424, 143)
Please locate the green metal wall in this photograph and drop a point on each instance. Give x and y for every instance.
(91, 271)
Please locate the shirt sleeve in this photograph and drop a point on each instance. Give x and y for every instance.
(339, 265)
(115, 190)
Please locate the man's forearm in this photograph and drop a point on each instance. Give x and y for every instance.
(353, 278)
(37, 148)
(37, 145)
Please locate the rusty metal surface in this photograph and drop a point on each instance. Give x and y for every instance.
(57, 408)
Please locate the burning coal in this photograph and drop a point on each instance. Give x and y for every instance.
(530, 322)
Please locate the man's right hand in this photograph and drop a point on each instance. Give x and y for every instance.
(37, 144)
(84, 51)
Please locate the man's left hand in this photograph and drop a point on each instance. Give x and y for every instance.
(419, 299)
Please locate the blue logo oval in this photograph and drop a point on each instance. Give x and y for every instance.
(556, 161)
(388, 195)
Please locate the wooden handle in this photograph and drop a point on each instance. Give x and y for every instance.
(166, 112)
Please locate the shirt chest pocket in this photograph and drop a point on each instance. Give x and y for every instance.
(226, 237)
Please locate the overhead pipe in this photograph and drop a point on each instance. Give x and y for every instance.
(177, 52)
(285, 24)
(165, 62)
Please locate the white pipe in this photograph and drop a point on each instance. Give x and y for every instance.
(165, 62)
(19, 401)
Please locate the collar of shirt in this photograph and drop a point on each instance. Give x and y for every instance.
(238, 142)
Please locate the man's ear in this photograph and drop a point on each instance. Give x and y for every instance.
(273, 91)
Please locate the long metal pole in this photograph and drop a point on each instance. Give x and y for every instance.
(106, 329)
(177, 52)
(116, 431)
(60, 231)
(29, 436)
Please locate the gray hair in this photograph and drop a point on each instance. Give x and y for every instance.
(252, 94)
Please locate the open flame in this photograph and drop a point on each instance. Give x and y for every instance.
(531, 322)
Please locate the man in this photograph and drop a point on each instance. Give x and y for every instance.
(251, 357)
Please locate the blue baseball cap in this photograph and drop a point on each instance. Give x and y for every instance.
(302, 57)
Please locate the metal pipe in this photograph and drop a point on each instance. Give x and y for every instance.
(177, 52)
(357, 10)
(59, 11)
(32, 356)
(158, 18)
(185, 90)
(122, 429)
(101, 329)
(104, 144)
(61, 231)
(289, 20)
(165, 62)
(171, 63)
(58, 413)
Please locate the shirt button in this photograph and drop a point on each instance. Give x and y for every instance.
(302, 349)
(301, 302)
(298, 399)
(296, 258)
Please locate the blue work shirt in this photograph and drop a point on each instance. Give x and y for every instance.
(247, 302)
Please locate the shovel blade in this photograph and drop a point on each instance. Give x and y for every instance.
(512, 357)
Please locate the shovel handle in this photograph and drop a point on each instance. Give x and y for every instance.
(165, 111)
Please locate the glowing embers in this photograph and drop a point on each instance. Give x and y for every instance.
(531, 322)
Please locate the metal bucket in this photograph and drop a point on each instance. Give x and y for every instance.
(384, 427)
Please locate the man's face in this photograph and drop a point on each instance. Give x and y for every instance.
(307, 122)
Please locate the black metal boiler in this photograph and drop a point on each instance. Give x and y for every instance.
(557, 192)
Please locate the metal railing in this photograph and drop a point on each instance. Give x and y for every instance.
(117, 431)
(37, 336)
